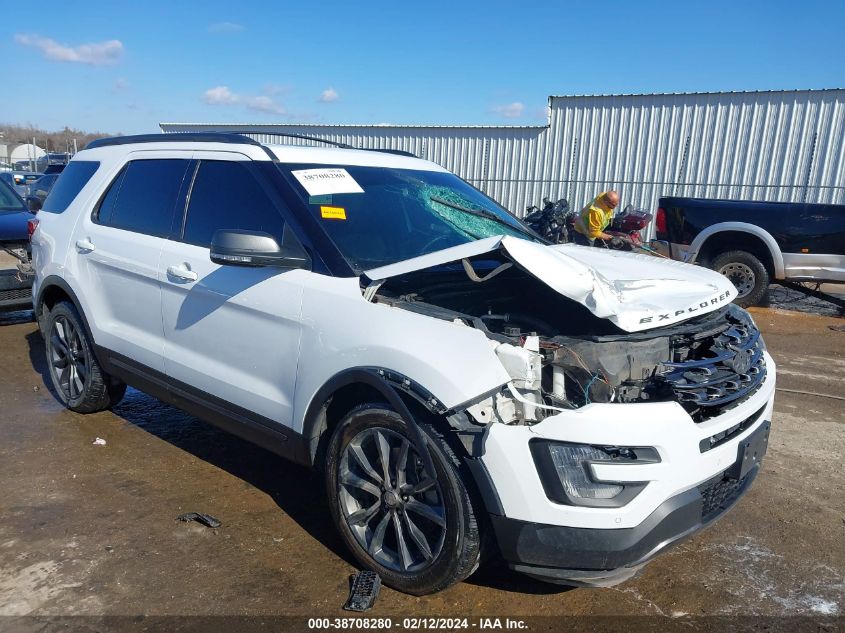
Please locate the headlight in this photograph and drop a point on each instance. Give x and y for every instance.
(567, 477)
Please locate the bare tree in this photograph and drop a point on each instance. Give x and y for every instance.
(58, 141)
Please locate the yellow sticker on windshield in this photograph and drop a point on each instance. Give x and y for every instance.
(333, 213)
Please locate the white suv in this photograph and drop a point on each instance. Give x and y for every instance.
(368, 313)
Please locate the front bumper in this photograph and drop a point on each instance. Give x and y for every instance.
(601, 558)
(598, 546)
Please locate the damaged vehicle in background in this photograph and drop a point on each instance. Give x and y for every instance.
(466, 388)
(16, 272)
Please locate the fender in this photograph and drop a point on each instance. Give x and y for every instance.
(387, 384)
(742, 227)
(55, 281)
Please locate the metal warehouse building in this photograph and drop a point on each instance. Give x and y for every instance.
(773, 145)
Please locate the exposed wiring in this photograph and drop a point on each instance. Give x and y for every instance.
(581, 362)
(587, 388)
(524, 400)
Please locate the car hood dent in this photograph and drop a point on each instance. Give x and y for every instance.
(635, 292)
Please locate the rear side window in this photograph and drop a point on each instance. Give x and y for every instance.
(143, 196)
(74, 177)
(226, 195)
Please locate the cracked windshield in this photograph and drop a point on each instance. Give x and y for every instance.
(377, 216)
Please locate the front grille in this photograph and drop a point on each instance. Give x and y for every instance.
(16, 294)
(719, 494)
(719, 372)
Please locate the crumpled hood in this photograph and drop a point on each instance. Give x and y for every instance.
(635, 292)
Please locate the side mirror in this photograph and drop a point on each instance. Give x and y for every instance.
(33, 203)
(235, 247)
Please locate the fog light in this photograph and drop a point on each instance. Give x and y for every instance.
(572, 463)
(567, 477)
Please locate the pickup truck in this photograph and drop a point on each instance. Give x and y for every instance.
(753, 243)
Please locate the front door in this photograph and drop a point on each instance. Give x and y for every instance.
(231, 332)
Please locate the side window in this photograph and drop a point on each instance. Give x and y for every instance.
(143, 196)
(103, 215)
(74, 177)
(225, 195)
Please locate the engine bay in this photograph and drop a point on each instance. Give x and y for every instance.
(560, 356)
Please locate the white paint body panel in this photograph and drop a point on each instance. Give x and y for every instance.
(336, 156)
(234, 332)
(665, 426)
(341, 330)
(119, 277)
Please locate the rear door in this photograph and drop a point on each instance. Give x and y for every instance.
(115, 253)
(232, 333)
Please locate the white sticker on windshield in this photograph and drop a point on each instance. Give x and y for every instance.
(318, 182)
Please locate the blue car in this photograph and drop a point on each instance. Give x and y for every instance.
(15, 268)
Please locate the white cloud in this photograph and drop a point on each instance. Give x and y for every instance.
(329, 95)
(510, 110)
(274, 89)
(95, 54)
(264, 104)
(220, 95)
(120, 84)
(226, 27)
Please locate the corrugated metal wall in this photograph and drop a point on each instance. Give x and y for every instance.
(780, 146)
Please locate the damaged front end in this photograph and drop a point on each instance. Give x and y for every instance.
(561, 356)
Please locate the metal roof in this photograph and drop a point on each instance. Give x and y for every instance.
(700, 92)
(380, 126)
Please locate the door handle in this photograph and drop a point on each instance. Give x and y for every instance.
(182, 272)
(85, 245)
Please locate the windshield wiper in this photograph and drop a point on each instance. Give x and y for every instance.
(482, 213)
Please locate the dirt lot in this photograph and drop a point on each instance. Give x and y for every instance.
(90, 529)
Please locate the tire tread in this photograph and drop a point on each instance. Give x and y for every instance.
(102, 391)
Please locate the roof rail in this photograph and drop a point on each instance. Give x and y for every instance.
(225, 137)
(399, 152)
(176, 137)
(291, 135)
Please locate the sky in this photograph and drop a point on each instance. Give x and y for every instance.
(124, 67)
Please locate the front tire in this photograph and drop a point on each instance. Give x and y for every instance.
(419, 535)
(77, 377)
(747, 273)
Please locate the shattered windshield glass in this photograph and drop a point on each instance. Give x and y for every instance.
(377, 215)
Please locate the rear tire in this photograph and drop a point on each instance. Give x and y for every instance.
(77, 377)
(418, 542)
(747, 273)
